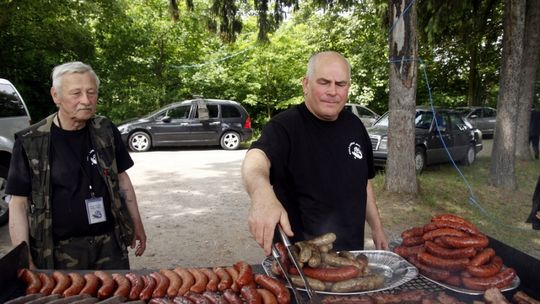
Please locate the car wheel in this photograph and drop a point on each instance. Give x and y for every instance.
(230, 140)
(140, 141)
(470, 157)
(419, 160)
(4, 209)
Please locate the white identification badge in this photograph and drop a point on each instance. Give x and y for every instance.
(95, 210)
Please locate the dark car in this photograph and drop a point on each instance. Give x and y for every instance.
(196, 122)
(463, 141)
(482, 118)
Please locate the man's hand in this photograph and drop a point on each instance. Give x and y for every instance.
(380, 239)
(139, 241)
(262, 220)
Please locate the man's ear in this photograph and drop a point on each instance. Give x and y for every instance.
(54, 95)
(305, 83)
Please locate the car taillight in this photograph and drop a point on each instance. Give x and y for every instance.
(247, 124)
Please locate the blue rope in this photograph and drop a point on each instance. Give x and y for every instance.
(472, 199)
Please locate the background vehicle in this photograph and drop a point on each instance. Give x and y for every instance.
(14, 117)
(196, 122)
(462, 141)
(366, 115)
(482, 118)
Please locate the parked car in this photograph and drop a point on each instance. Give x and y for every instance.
(482, 118)
(195, 122)
(462, 141)
(14, 116)
(366, 115)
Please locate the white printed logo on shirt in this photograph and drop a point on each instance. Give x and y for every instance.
(355, 150)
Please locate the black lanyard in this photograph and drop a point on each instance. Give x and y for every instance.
(86, 175)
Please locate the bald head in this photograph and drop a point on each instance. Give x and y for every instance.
(326, 85)
(324, 58)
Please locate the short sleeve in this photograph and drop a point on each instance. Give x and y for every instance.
(19, 181)
(123, 159)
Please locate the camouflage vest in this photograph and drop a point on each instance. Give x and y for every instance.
(36, 143)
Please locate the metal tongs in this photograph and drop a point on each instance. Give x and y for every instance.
(313, 296)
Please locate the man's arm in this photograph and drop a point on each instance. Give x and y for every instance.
(374, 220)
(266, 210)
(127, 191)
(19, 230)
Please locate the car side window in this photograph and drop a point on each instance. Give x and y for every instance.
(490, 113)
(213, 111)
(457, 122)
(180, 112)
(477, 113)
(10, 105)
(423, 120)
(363, 112)
(228, 111)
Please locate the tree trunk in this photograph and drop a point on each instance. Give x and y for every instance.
(529, 64)
(502, 171)
(400, 169)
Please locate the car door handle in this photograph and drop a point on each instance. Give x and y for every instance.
(183, 124)
(214, 123)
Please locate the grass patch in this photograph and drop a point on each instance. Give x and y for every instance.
(498, 213)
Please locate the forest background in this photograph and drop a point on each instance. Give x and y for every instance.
(153, 52)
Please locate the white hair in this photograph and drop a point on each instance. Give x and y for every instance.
(70, 68)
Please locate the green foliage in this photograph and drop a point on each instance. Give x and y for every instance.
(147, 59)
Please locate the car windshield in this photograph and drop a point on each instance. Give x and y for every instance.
(383, 121)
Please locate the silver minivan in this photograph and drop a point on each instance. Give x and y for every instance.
(14, 116)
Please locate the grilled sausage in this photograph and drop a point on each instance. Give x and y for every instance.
(324, 239)
(232, 297)
(428, 271)
(47, 284)
(500, 280)
(91, 284)
(197, 298)
(234, 275)
(149, 286)
(332, 259)
(162, 283)
(213, 279)
(214, 297)
(483, 257)
(123, 285)
(364, 283)
(33, 283)
(408, 251)
(479, 241)
(446, 253)
(486, 270)
(137, 285)
(174, 282)
(313, 283)
(107, 284)
(225, 279)
(187, 280)
(267, 296)
(245, 274)
(442, 263)
(430, 235)
(330, 274)
(412, 241)
(77, 284)
(62, 282)
(276, 287)
(250, 294)
(200, 280)
(411, 232)
(470, 229)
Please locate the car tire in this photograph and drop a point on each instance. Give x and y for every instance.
(419, 160)
(470, 157)
(4, 208)
(139, 142)
(230, 140)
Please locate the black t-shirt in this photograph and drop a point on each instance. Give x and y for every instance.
(73, 168)
(319, 172)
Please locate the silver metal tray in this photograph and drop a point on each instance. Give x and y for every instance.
(515, 283)
(396, 270)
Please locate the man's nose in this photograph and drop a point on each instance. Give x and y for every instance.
(331, 89)
(87, 99)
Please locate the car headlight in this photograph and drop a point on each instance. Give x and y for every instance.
(384, 143)
(123, 129)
